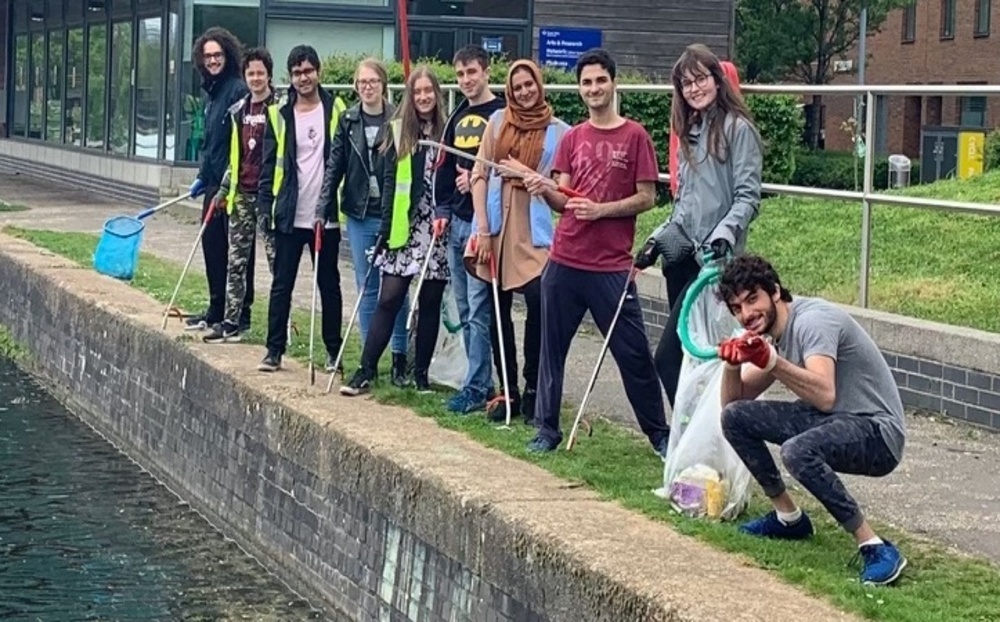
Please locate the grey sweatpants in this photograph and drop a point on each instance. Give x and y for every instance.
(815, 446)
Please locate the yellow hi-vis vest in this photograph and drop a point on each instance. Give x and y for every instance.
(399, 234)
(280, 130)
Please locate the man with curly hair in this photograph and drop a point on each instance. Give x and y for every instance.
(848, 418)
(217, 56)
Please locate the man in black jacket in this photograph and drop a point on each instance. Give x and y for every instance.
(296, 147)
(217, 56)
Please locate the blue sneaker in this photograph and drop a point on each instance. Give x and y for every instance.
(541, 444)
(768, 526)
(661, 448)
(883, 563)
(466, 401)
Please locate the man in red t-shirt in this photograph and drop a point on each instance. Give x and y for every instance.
(610, 160)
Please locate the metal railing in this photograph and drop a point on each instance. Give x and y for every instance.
(867, 196)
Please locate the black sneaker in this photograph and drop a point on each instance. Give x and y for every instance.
(360, 384)
(196, 322)
(226, 332)
(399, 370)
(421, 382)
(330, 360)
(271, 362)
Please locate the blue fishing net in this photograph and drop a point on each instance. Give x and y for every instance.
(117, 252)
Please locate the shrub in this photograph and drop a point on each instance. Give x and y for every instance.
(835, 170)
(777, 116)
(991, 157)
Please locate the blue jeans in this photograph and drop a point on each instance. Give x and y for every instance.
(472, 297)
(361, 236)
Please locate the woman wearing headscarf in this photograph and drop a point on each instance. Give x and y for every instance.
(513, 226)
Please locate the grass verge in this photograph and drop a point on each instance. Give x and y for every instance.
(622, 468)
(8, 207)
(927, 264)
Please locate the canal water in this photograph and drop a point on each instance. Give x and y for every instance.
(85, 534)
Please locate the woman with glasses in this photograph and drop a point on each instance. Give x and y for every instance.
(357, 162)
(718, 196)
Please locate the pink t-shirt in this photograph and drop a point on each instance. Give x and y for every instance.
(309, 142)
(605, 165)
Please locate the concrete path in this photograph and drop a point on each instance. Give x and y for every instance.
(945, 489)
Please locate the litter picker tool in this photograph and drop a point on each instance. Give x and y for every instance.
(420, 281)
(495, 282)
(506, 170)
(117, 252)
(597, 368)
(354, 316)
(312, 315)
(209, 214)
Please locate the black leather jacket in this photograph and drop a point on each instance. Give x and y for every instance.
(348, 162)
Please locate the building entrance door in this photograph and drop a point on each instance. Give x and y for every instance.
(441, 42)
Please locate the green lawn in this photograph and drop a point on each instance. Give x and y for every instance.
(925, 264)
(622, 468)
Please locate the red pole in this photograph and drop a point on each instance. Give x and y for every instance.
(404, 37)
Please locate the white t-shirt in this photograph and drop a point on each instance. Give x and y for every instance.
(309, 141)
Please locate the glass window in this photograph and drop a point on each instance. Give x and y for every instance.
(509, 9)
(336, 2)
(54, 87)
(947, 19)
(97, 47)
(20, 15)
(121, 87)
(170, 116)
(75, 11)
(148, 88)
(37, 86)
(53, 12)
(19, 125)
(973, 112)
(431, 43)
(240, 17)
(75, 74)
(983, 8)
(910, 23)
(329, 38)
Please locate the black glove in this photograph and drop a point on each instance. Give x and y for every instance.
(647, 255)
(721, 248)
(381, 243)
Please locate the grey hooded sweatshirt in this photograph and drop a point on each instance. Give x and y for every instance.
(715, 199)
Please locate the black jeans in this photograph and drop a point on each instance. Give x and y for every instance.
(287, 256)
(669, 356)
(390, 300)
(567, 294)
(215, 250)
(815, 447)
(532, 292)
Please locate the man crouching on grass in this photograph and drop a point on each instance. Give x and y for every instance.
(848, 418)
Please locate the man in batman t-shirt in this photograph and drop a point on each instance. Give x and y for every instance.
(453, 206)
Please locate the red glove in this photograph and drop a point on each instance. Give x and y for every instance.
(730, 354)
(755, 349)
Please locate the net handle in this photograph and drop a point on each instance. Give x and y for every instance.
(709, 275)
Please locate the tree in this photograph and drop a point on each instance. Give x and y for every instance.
(800, 39)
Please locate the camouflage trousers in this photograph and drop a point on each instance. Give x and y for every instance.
(815, 446)
(242, 237)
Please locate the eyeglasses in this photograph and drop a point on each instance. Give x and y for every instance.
(302, 73)
(213, 55)
(369, 84)
(700, 81)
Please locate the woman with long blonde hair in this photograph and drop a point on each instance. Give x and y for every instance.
(407, 231)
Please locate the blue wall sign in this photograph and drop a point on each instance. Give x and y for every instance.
(560, 47)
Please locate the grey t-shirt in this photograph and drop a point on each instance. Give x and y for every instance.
(864, 382)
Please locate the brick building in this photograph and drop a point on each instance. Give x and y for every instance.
(930, 42)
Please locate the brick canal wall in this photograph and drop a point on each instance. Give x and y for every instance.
(372, 512)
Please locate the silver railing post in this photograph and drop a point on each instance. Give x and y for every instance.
(866, 206)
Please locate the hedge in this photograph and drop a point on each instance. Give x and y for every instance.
(778, 117)
(835, 170)
(991, 157)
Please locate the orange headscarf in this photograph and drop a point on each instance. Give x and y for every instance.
(522, 135)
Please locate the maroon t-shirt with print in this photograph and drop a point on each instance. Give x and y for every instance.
(252, 137)
(605, 165)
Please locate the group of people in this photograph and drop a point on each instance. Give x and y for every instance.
(501, 190)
